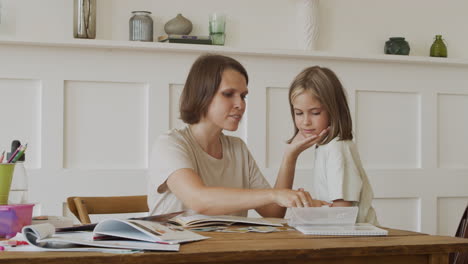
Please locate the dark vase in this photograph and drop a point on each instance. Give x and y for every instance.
(397, 46)
(438, 48)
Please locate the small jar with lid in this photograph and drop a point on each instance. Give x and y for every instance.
(141, 26)
(397, 46)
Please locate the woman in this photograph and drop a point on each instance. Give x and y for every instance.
(199, 168)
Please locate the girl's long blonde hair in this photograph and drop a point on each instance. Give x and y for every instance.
(324, 85)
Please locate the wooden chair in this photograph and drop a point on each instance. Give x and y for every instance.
(462, 231)
(82, 207)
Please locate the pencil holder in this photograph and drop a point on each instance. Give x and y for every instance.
(6, 175)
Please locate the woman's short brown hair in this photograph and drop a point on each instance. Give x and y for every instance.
(324, 85)
(202, 84)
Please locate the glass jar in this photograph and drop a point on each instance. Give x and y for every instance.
(217, 28)
(84, 19)
(438, 48)
(397, 46)
(141, 26)
(19, 185)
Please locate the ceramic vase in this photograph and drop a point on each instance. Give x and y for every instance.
(84, 19)
(397, 46)
(438, 48)
(308, 23)
(178, 25)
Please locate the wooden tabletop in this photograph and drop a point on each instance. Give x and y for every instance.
(279, 247)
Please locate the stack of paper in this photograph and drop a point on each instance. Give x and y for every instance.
(335, 221)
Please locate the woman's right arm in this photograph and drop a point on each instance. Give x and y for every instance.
(189, 188)
(285, 178)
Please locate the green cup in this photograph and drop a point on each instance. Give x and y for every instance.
(6, 174)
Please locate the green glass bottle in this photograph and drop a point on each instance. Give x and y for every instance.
(438, 48)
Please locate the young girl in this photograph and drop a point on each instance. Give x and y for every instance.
(317, 100)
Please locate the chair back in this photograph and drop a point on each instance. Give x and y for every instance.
(462, 231)
(82, 207)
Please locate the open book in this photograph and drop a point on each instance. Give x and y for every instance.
(331, 221)
(149, 231)
(111, 233)
(44, 238)
(198, 220)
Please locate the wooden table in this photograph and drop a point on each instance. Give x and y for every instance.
(281, 247)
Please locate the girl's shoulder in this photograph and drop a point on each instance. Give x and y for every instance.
(337, 144)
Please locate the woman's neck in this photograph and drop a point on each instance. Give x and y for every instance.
(207, 137)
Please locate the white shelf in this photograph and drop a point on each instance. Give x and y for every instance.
(191, 48)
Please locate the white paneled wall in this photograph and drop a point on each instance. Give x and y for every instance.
(106, 125)
(91, 112)
(20, 100)
(388, 123)
(452, 138)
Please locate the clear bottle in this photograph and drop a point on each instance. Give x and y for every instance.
(141, 26)
(19, 185)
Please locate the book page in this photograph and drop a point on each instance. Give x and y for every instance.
(39, 231)
(146, 231)
(198, 220)
(323, 216)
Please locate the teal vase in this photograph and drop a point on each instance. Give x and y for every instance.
(397, 46)
(438, 48)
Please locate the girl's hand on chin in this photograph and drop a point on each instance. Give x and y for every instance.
(301, 143)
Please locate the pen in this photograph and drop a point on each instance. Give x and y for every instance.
(20, 153)
(3, 156)
(14, 154)
(13, 243)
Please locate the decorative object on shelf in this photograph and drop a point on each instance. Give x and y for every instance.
(397, 46)
(187, 39)
(217, 27)
(141, 26)
(84, 19)
(438, 48)
(179, 25)
(308, 23)
(1, 11)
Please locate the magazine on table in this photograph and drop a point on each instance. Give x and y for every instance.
(90, 227)
(43, 237)
(198, 220)
(149, 231)
(112, 233)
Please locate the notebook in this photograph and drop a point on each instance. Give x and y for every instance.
(331, 221)
(359, 229)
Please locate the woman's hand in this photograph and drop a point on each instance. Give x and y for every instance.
(301, 143)
(293, 198)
